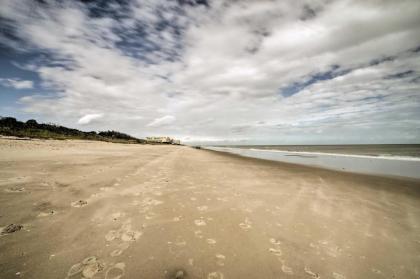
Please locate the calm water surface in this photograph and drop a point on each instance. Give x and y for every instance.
(404, 150)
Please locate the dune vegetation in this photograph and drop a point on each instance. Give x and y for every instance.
(9, 126)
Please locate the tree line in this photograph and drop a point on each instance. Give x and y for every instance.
(10, 126)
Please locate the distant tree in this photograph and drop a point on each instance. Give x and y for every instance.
(8, 121)
(31, 123)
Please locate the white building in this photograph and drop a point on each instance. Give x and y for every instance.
(167, 140)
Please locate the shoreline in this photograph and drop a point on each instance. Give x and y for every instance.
(316, 169)
(387, 157)
(374, 165)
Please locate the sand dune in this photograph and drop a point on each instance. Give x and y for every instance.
(103, 210)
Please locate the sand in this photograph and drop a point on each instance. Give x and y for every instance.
(103, 210)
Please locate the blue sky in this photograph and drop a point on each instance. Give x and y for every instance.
(241, 72)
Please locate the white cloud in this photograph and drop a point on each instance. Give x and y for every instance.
(162, 121)
(229, 63)
(88, 118)
(16, 83)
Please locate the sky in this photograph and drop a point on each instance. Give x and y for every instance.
(219, 72)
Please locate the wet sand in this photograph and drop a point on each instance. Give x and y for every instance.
(103, 210)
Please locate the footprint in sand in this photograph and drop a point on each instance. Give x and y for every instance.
(211, 241)
(220, 259)
(47, 213)
(180, 274)
(130, 235)
(116, 253)
(11, 229)
(275, 241)
(198, 234)
(122, 247)
(311, 273)
(246, 225)
(117, 215)
(286, 269)
(215, 275)
(74, 270)
(202, 208)
(276, 250)
(179, 242)
(338, 276)
(88, 268)
(125, 233)
(200, 222)
(15, 189)
(177, 218)
(377, 271)
(150, 215)
(115, 272)
(79, 203)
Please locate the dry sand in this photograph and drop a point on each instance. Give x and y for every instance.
(102, 210)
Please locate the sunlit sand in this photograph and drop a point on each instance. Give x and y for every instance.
(103, 210)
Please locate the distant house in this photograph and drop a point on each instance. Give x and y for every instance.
(166, 140)
(159, 139)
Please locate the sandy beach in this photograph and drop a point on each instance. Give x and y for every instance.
(101, 210)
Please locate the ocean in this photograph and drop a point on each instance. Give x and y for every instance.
(377, 150)
(389, 160)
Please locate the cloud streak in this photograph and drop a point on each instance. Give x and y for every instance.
(89, 118)
(16, 83)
